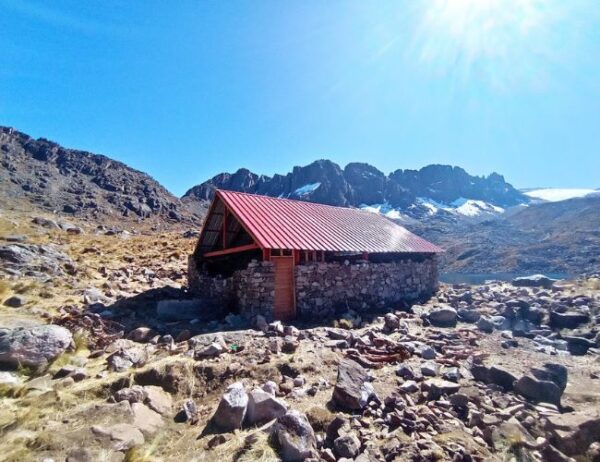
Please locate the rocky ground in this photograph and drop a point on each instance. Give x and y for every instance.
(106, 358)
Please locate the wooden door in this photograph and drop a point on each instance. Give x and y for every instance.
(285, 294)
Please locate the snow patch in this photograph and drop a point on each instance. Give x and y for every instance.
(306, 189)
(473, 208)
(556, 194)
(386, 210)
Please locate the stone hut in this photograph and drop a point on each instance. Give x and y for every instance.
(286, 259)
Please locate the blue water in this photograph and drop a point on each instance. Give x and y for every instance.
(480, 278)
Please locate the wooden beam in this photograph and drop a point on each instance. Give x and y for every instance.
(266, 254)
(225, 229)
(241, 248)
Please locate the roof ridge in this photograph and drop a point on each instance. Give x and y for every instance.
(285, 199)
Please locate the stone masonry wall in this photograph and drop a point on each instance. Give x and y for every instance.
(251, 290)
(321, 288)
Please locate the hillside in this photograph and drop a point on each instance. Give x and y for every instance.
(559, 237)
(41, 174)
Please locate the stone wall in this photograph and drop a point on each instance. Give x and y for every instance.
(249, 291)
(322, 288)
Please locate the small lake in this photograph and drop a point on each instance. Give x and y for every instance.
(480, 278)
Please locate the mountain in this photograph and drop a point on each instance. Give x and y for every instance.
(414, 193)
(554, 237)
(42, 174)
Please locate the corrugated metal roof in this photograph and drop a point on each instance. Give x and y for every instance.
(290, 224)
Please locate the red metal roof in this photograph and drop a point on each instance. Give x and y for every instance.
(291, 224)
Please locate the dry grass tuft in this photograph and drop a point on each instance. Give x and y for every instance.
(4, 288)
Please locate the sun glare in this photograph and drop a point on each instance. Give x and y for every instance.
(495, 37)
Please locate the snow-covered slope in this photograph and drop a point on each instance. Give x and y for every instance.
(558, 194)
(424, 206)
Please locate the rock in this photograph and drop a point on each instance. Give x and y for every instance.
(210, 351)
(444, 316)
(568, 320)
(485, 324)
(45, 222)
(578, 346)
(439, 387)
(391, 322)
(406, 372)
(146, 420)
(553, 372)
(76, 373)
(125, 358)
(535, 280)
(125, 436)
(468, 315)
(352, 390)
(502, 377)
(181, 310)
(93, 296)
(189, 413)
(290, 344)
(8, 378)
(15, 301)
(33, 346)
(158, 400)
(410, 386)
(134, 394)
(427, 352)
(538, 390)
(141, 334)
(263, 407)
(347, 445)
(271, 387)
(232, 408)
(295, 437)
(430, 369)
(574, 432)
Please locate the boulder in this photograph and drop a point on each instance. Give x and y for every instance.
(535, 280)
(146, 420)
(352, 389)
(444, 316)
(568, 320)
(295, 437)
(347, 446)
(439, 387)
(263, 407)
(232, 408)
(502, 377)
(16, 301)
(33, 346)
(141, 334)
(578, 346)
(125, 358)
(158, 400)
(538, 390)
(485, 324)
(574, 432)
(124, 436)
(468, 315)
(391, 322)
(553, 372)
(134, 394)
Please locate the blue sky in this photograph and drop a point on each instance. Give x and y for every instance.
(184, 90)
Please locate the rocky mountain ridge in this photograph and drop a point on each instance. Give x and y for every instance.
(43, 174)
(413, 192)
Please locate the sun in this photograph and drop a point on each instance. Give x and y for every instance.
(498, 39)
